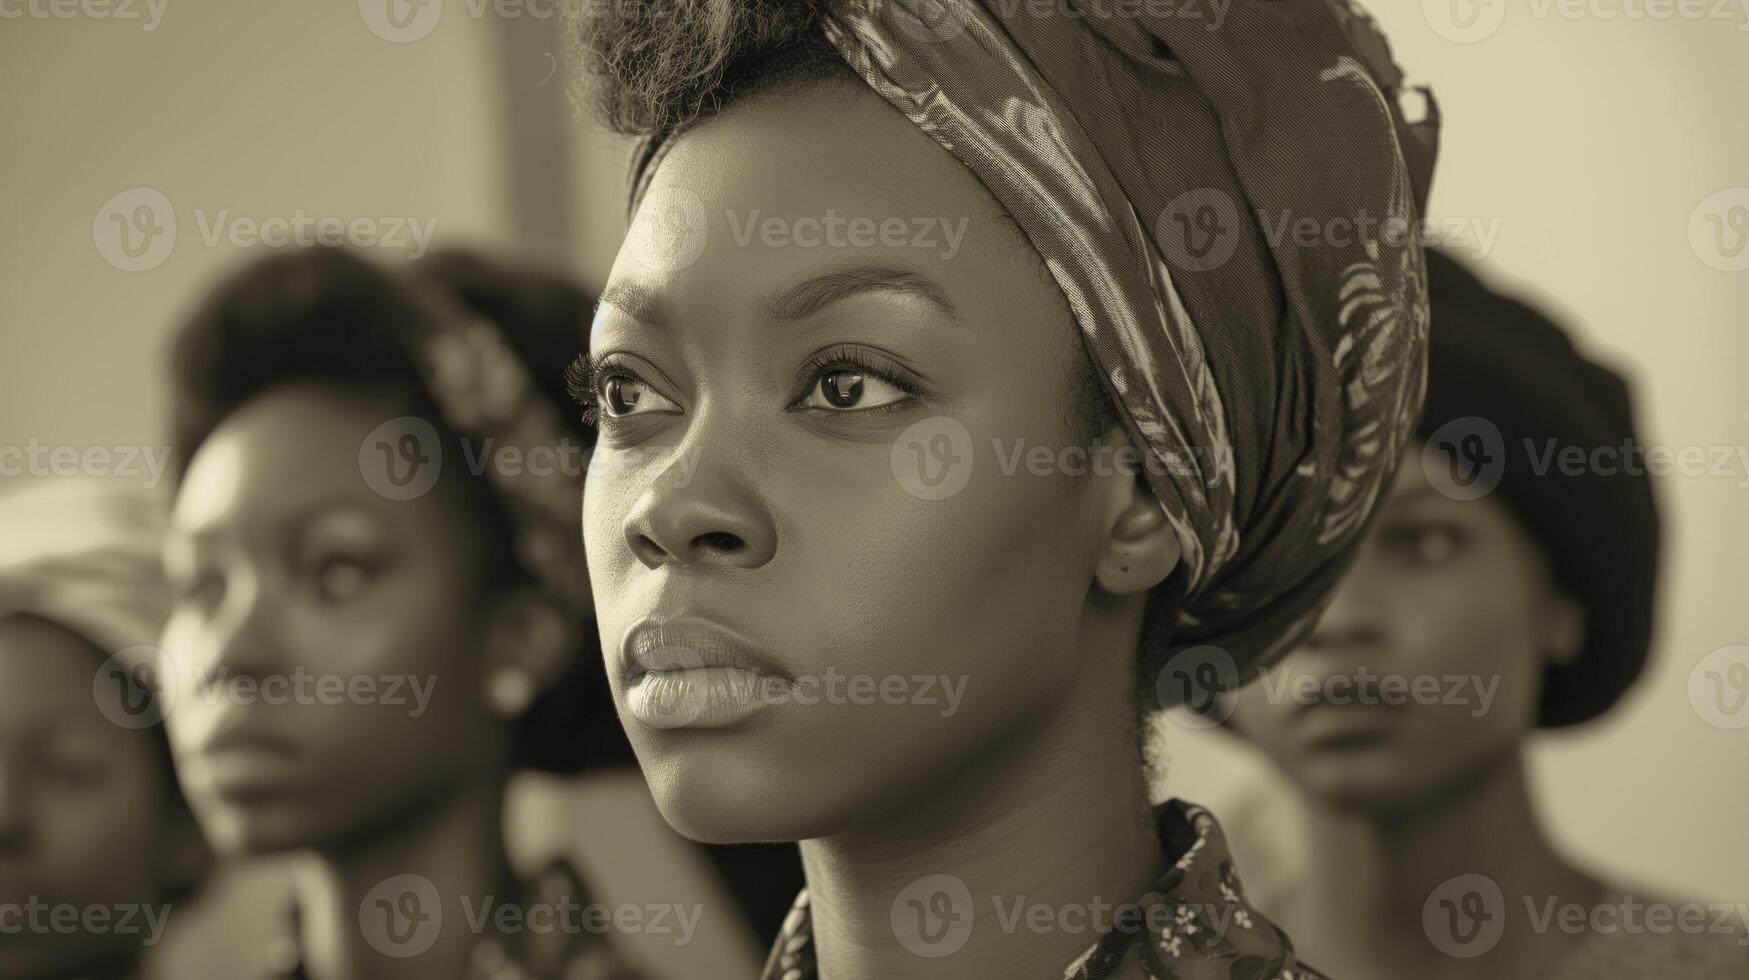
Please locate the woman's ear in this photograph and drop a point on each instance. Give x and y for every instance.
(1566, 637)
(1140, 547)
(530, 642)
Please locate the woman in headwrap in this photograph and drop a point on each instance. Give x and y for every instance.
(97, 847)
(900, 300)
(383, 614)
(1413, 846)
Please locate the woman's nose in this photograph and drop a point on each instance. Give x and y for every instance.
(1354, 620)
(238, 639)
(708, 516)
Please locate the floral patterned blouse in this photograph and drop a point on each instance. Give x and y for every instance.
(1199, 925)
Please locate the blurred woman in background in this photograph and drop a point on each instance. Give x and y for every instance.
(378, 492)
(97, 847)
(1530, 581)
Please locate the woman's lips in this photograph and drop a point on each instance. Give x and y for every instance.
(243, 772)
(239, 762)
(689, 673)
(1330, 725)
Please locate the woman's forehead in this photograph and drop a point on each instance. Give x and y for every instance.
(824, 151)
(797, 195)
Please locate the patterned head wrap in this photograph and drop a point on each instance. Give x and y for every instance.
(84, 554)
(483, 392)
(1231, 210)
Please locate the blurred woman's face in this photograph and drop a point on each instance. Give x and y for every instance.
(1427, 667)
(825, 584)
(86, 810)
(325, 639)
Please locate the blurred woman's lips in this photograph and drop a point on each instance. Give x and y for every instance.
(690, 673)
(242, 762)
(1329, 725)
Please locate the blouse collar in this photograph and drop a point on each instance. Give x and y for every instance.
(1196, 920)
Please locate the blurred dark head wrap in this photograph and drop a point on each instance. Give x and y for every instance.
(1508, 395)
(1158, 160)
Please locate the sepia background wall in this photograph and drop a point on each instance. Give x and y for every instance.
(1598, 164)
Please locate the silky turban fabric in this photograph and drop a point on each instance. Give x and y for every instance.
(83, 553)
(1166, 167)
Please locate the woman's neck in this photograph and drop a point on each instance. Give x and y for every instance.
(363, 902)
(1057, 821)
(1369, 876)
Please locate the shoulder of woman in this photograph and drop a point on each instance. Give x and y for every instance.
(1636, 933)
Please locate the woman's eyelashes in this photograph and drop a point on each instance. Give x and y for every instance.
(847, 379)
(843, 380)
(611, 388)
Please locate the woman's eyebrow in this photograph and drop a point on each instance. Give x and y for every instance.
(634, 300)
(812, 295)
(795, 302)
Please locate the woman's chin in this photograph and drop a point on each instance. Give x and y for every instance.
(720, 809)
(263, 828)
(1380, 784)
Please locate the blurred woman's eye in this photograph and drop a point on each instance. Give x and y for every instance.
(340, 578)
(204, 590)
(1423, 544)
(69, 769)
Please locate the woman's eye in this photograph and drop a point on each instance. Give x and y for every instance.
(339, 579)
(846, 389)
(205, 590)
(623, 395)
(70, 770)
(1425, 544)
